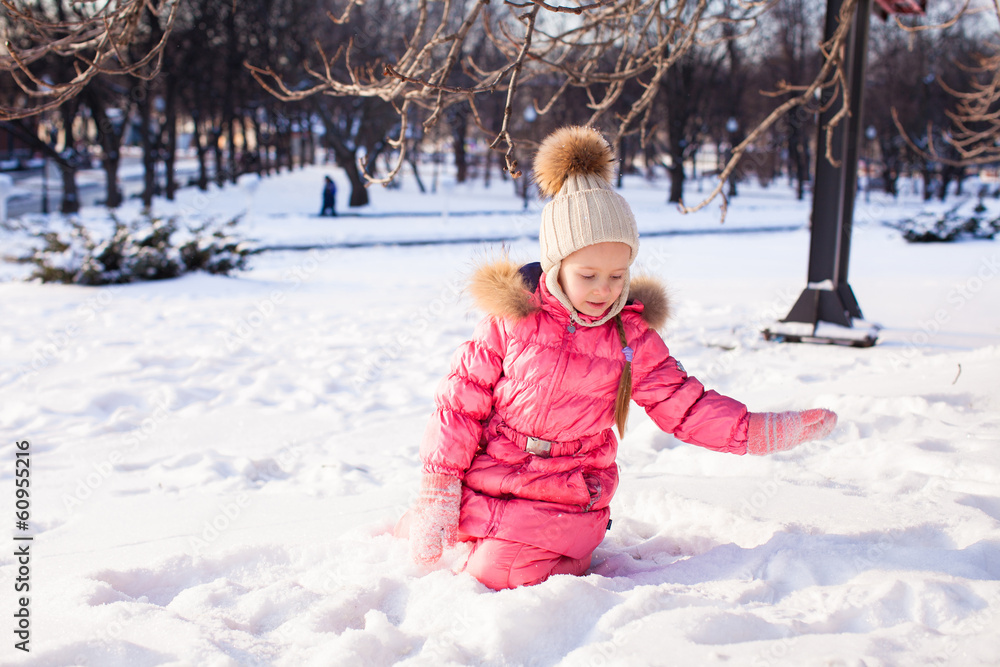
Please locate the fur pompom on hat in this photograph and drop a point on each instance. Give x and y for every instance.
(572, 151)
(575, 166)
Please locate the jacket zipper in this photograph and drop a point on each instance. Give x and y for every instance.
(560, 370)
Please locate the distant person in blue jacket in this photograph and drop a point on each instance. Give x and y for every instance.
(329, 198)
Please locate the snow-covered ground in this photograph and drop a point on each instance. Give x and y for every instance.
(216, 463)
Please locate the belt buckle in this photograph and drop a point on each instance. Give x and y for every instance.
(538, 447)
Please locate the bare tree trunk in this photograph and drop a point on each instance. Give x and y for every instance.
(286, 144)
(150, 147)
(202, 151)
(459, 128)
(170, 154)
(626, 164)
(649, 157)
(798, 167)
(676, 178)
(242, 165)
(950, 173)
(928, 176)
(148, 157)
(71, 199)
(255, 154)
(29, 136)
(229, 99)
(263, 159)
(220, 170)
(889, 177)
(310, 154)
(228, 127)
(621, 163)
(412, 160)
(110, 139)
(347, 160)
(805, 162)
(280, 151)
(676, 133)
(113, 193)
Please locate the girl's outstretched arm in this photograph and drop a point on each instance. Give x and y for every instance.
(680, 404)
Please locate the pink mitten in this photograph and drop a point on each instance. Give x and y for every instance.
(770, 432)
(435, 524)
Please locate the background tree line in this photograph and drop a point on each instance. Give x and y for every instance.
(272, 84)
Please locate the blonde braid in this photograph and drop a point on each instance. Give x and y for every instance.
(623, 401)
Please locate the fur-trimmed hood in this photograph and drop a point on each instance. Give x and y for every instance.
(501, 288)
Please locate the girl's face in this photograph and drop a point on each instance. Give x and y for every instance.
(594, 277)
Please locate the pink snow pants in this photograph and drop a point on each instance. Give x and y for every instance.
(501, 564)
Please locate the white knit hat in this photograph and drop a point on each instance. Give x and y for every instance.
(574, 166)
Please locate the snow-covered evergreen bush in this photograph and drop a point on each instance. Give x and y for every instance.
(950, 226)
(214, 250)
(146, 249)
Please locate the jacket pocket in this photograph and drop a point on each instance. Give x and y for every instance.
(530, 480)
(601, 487)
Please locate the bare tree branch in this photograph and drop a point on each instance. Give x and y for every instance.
(831, 74)
(974, 134)
(604, 47)
(97, 38)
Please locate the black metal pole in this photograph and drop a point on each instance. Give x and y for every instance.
(828, 297)
(857, 61)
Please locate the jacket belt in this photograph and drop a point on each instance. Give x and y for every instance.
(528, 443)
(538, 447)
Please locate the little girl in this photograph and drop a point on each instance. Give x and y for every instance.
(519, 456)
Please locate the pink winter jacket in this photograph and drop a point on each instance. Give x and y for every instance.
(528, 372)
